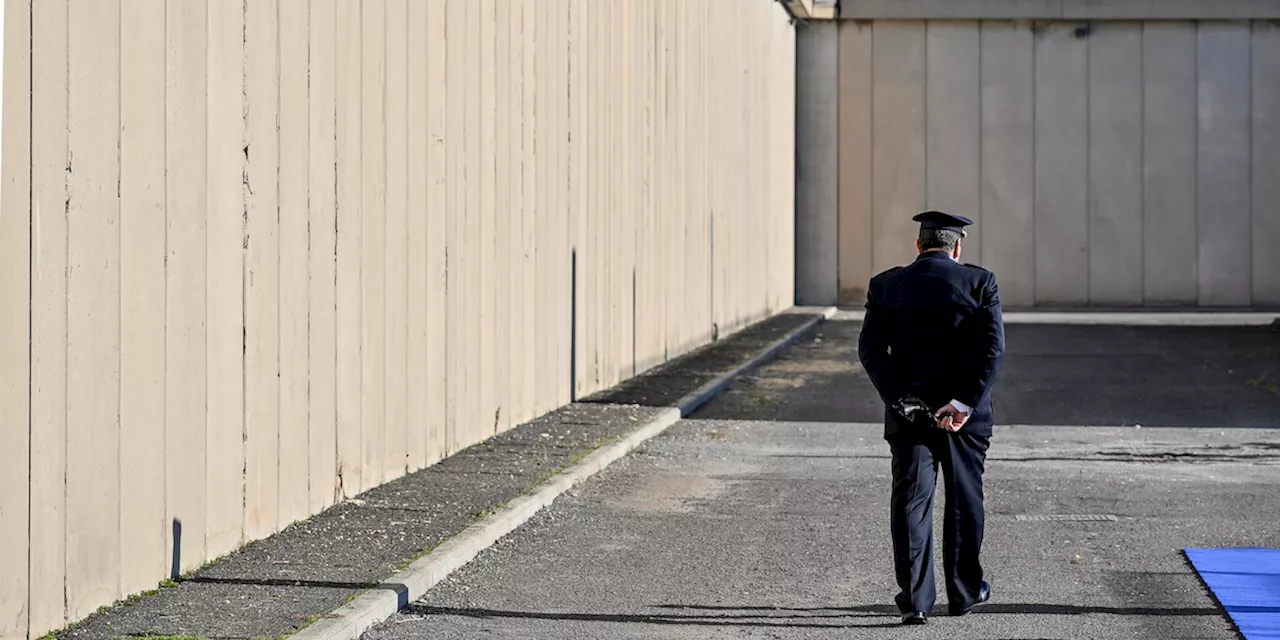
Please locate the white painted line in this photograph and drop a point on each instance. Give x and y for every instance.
(351, 620)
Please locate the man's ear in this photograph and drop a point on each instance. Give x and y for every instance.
(919, 249)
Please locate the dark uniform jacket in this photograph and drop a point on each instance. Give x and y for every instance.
(934, 330)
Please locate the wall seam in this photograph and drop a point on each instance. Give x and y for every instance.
(66, 293)
(979, 231)
(307, 206)
(1196, 36)
(839, 37)
(927, 28)
(871, 64)
(1249, 118)
(1088, 165)
(164, 430)
(337, 458)
(244, 278)
(279, 320)
(1035, 171)
(31, 247)
(1142, 163)
(119, 241)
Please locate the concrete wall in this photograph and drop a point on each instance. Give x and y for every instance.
(817, 153)
(1060, 9)
(1108, 163)
(260, 256)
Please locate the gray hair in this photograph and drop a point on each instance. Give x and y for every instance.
(939, 239)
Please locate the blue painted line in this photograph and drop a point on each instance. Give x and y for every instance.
(1246, 582)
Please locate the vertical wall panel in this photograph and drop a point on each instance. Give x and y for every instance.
(416, 364)
(397, 442)
(1169, 162)
(142, 294)
(558, 215)
(1223, 202)
(321, 354)
(514, 411)
(468, 247)
(186, 198)
(1266, 158)
(786, 195)
(49, 212)
(642, 79)
(373, 217)
(541, 375)
(1008, 160)
(1062, 166)
(226, 309)
(262, 269)
(529, 286)
(486, 290)
(93, 307)
(439, 139)
(818, 105)
(501, 376)
(855, 160)
(954, 124)
(1115, 164)
(349, 229)
(584, 171)
(615, 205)
(583, 208)
(662, 265)
(690, 207)
(15, 298)
(588, 169)
(898, 148)
(294, 260)
(454, 194)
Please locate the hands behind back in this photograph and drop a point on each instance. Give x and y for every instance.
(951, 419)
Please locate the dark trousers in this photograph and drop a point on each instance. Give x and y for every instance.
(916, 458)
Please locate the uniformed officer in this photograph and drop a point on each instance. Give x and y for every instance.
(932, 342)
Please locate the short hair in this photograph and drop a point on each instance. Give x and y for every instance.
(945, 239)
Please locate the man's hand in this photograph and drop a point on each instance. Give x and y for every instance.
(951, 419)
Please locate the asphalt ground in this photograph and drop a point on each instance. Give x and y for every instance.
(766, 515)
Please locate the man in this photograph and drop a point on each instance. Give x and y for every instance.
(931, 342)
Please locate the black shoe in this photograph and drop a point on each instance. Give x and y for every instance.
(984, 594)
(915, 617)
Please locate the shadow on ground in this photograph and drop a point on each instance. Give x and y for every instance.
(1226, 377)
(792, 617)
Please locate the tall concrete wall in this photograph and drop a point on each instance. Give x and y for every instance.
(260, 256)
(1106, 163)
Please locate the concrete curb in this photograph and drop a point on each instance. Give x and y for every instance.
(351, 620)
(1128, 318)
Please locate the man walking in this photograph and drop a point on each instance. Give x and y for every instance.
(931, 342)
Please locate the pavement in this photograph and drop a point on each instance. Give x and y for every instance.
(764, 515)
(285, 583)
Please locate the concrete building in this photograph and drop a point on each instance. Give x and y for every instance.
(1114, 153)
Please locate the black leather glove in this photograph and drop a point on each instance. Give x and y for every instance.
(916, 412)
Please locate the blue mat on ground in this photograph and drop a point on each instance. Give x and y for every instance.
(1247, 584)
